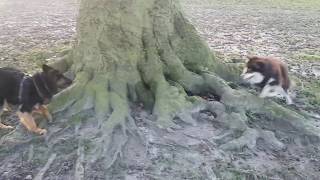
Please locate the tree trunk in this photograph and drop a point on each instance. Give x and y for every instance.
(145, 54)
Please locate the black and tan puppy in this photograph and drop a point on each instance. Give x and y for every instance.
(270, 74)
(30, 93)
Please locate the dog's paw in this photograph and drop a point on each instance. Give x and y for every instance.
(49, 117)
(7, 127)
(3, 126)
(42, 131)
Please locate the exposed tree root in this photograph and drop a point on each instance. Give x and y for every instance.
(168, 99)
(42, 172)
(79, 169)
(249, 139)
(63, 100)
(112, 111)
(116, 129)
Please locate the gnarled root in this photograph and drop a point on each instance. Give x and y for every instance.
(249, 139)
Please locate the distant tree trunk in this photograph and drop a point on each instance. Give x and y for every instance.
(144, 51)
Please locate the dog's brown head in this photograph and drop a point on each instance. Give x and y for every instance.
(54, 79)
(255, 69)
(260, 68)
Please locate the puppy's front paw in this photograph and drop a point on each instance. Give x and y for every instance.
(49, 117)
(2, 126)
(41, 131)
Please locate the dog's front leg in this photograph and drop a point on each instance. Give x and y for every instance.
(42, 109)
(6, 106)
(287, 97)
(3, 126)
(265, 91)
(27, 120)
(45, 112)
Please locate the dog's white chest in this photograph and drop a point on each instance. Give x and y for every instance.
(253, 78)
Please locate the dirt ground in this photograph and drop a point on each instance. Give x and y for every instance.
(34, 32)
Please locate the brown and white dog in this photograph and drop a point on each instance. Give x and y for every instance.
(270, 74)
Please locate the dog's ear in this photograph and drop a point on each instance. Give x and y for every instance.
(46, 68)
(259, 65)
(251, 57)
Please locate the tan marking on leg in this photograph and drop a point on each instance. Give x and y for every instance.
(6, 106)
(44, 111)
(27, 120)
(3, 126)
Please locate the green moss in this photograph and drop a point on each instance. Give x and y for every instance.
(189, 47)
(40, 56)
(145, 95)
(67, 97)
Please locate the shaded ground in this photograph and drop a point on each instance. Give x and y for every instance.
(186, 152)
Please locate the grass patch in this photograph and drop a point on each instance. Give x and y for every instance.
(308, 57)
(41, 56)
(312, 92)
(283, 4)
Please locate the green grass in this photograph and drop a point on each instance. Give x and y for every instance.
(284, 4)
(308, 57)
(40, 56)
(312, 92)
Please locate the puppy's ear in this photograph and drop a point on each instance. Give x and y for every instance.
(250, 57)
(46, 68)
(259, 65)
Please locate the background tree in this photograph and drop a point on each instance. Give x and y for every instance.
(145, 52)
